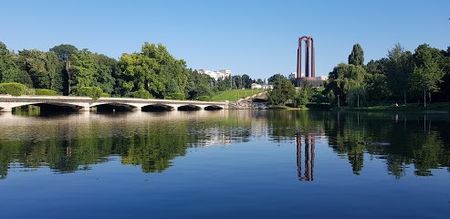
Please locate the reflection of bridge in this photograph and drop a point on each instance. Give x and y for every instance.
(61, 103)
(310, 144)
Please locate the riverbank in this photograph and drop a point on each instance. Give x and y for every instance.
(433, 107)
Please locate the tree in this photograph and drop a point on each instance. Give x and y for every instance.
(283, 90)
(247, 81)
(153, 69)
(399, 67)
(199, 85)
(9, 71)
(43, 68)
(65, 52)
(274, 78)
(356, 57)
(345, 78)
(427, 73)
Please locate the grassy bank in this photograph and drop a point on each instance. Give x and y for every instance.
(233, 95)
(441, 107)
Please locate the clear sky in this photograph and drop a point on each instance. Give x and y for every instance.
(256, 37)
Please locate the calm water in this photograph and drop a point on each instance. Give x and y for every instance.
(268, 164)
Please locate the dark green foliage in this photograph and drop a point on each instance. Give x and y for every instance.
(64, 51)
(176, 96)
(283, 91)
(141, 93)
(45, 92)
(153, 69)
(274, 78)
(12, 88)
(356, 57)
(92, 92)
(43, 68)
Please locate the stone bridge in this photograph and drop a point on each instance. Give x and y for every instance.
(64, 103)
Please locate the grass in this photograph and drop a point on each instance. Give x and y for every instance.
(233, 95)
(411, 107)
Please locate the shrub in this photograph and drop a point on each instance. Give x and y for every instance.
(141, 93)
(176, 96)
(12, 88)
(92, 92)
(45, 92)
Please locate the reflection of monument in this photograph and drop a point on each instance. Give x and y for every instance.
(309, 157)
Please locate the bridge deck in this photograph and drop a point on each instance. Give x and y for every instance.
(8, 102)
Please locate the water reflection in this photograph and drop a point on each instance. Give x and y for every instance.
(153, 140)
(309, 155)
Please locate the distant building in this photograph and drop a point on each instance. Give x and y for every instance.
(221, 74)
(261, 86)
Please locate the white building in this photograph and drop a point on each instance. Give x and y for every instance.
(262, 86)
(221, 74)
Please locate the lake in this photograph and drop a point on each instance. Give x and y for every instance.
(225, 164)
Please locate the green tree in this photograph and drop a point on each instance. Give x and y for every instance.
(427, 73)
(356, 57)
(43, 68)
(345, 78)
(65, 52)
(247, 81)
(152, 69)
(399, 67)
(283, 91)
(9, 70)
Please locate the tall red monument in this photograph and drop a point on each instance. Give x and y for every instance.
(310, 71)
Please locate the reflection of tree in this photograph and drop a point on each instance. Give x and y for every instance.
(68, 148)
(401, 141)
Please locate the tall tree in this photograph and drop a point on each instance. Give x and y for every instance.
(345, 79)
(356, 57)
(43, 68)
(283, 90)
(427, 73)
(9, 70)
(153, 69)
(65, 52)
(399, 67)
(247, 81)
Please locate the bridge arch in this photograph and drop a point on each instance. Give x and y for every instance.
(114, 107)
(50, 106)
(189, 107)
(158, 107)
(213, 108)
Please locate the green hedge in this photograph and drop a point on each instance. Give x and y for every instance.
(45, 92)
(12, 88)
(92, 92)
(142, 93)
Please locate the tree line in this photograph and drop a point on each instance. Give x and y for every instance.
(150, 73)
(402, 77)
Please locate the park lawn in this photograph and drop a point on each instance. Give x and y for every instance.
(233, 95)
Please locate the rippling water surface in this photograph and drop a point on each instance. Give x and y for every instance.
(225, 164)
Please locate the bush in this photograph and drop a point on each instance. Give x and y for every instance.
(176, 96)
(141, 93)
(12, 88)
(204, 98)
(92, 92)
(45, 92)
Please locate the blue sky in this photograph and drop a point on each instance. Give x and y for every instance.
(256, 37)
